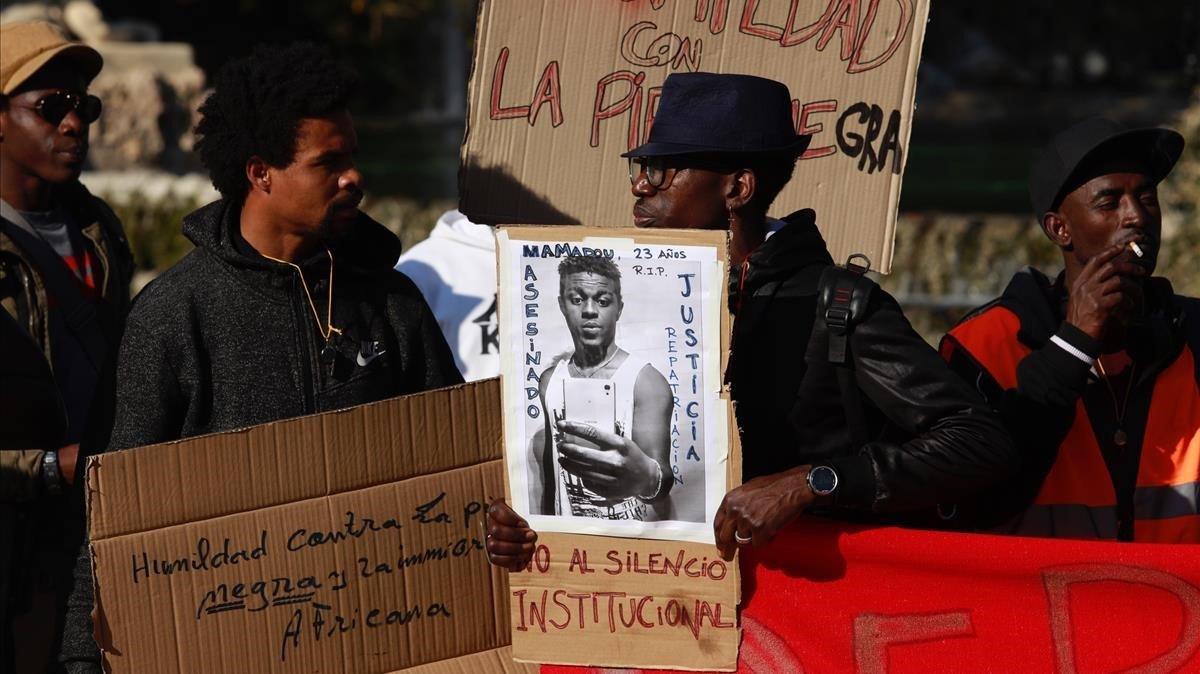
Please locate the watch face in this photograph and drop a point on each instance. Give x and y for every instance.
(823, 480)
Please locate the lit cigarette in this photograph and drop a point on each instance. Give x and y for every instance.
(1137, 250)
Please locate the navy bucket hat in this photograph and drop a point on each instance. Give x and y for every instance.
(711, 113)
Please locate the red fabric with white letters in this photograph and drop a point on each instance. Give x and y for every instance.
(826, 597)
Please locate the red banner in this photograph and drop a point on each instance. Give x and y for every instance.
(826, 597)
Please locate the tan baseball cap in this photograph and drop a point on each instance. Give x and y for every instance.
(26, 46)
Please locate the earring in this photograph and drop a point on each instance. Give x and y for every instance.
(730, 216)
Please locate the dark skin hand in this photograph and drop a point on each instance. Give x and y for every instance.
(1106, 290)
(619, 468)
(760, 508)
(510, 541)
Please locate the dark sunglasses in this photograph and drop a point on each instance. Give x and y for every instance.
(54, 107)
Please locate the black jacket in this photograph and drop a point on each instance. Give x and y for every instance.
(226, 339)
(933, 440)
(1040, 411)
(31, 416)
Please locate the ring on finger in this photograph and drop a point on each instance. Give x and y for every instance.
(741, 540)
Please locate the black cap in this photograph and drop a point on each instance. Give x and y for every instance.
(711, 113)
(1053, 169)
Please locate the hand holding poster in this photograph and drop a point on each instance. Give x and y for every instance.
(560, 90)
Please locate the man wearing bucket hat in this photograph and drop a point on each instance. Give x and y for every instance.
(1094, 371)
(880, 427)
(64, 279)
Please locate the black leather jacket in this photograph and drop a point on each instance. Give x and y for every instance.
(932, 439)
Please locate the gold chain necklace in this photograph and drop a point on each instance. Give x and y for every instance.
(1120, 439)
(327, 330)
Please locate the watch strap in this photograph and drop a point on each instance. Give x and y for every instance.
(51, 472)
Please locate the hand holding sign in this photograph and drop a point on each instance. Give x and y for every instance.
(510, 541)
(757, 510)
(617, 468)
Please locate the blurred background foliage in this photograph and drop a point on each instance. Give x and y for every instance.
(996, 81)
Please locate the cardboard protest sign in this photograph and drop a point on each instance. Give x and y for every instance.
(651, 306)
(623, 602)
(560, 90)
(349, 541)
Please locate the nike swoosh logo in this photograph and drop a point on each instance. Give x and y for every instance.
(364, 361)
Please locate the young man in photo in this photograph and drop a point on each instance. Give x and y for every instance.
(577, 469)
(901, 435)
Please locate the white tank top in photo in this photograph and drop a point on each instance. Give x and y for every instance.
(573, 498)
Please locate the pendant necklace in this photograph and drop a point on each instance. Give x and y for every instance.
(588, 375)
(1120, 439)
(328, 330)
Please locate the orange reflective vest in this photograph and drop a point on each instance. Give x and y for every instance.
(1077, 498)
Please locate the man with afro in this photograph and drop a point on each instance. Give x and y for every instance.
(289, 303)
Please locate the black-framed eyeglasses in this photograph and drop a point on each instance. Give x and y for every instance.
(660, 171)
(54, 107)
(657, 173)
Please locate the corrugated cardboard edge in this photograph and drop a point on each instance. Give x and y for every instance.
(915, 45)
(496, 661)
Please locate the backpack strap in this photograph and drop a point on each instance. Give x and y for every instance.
(843, 295)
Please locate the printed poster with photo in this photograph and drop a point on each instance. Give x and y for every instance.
(614, 419)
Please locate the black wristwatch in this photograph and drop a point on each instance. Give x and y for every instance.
(822, 480)
(51, 473)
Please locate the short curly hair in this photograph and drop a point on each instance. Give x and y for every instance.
(257, 104)
(589, 264)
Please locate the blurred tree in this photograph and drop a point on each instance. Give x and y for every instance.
(395, 44)
(413, 57)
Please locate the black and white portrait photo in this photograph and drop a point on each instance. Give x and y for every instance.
(614, 422)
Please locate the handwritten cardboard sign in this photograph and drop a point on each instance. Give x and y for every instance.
(349, 541)
(560, 90)
(622, 602)
(614, 600)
